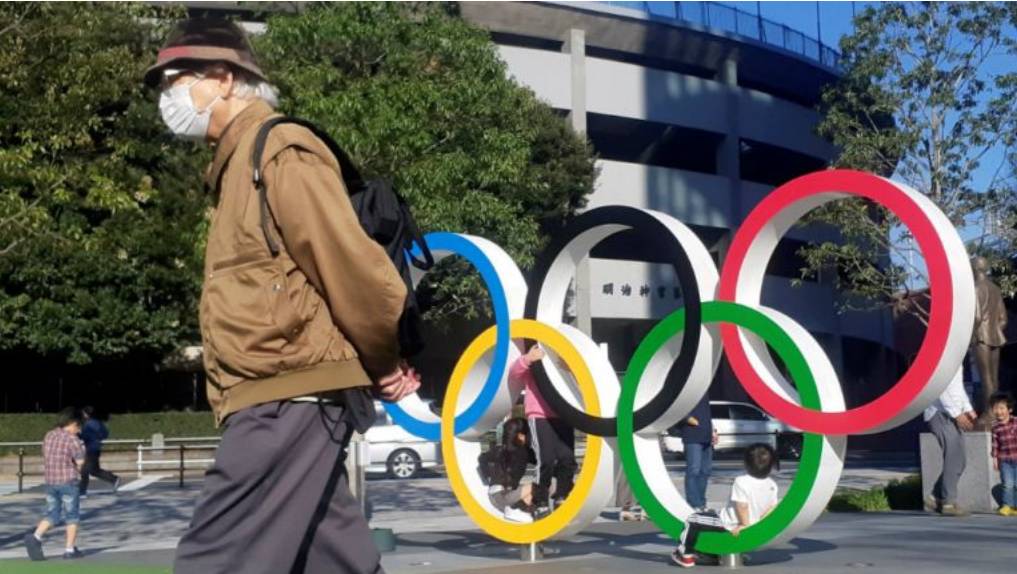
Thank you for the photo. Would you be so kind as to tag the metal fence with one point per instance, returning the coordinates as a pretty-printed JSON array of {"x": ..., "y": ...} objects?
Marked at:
[
  {"x": 731, "y": 19},
  {"x": 171, "y": 454},
  {"x": 156, "y": 453}
]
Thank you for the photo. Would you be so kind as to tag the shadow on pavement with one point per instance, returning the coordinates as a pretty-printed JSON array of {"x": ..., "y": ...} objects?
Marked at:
[{"x": 597, "y": 541}]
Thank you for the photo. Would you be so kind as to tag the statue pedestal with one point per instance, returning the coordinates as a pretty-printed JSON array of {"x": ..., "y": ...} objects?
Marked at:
[{"x": 978, "y": 490}]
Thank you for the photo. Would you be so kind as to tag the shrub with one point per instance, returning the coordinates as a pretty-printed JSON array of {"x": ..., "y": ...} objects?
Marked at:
[
  {"x": 905, "y": 494},
  {"x": 873, "y": 500}
]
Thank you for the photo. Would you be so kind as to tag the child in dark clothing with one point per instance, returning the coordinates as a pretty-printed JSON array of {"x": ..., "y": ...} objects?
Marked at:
[{"x": 504, "y": 466}]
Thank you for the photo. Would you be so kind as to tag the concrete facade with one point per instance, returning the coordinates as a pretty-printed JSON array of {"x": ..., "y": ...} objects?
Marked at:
[{"x": 638, "y": 70}]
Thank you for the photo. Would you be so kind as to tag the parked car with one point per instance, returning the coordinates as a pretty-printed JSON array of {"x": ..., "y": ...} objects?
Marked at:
[
  {"x": 739, "y": 425},
  {"x": 396, "y": 452}
]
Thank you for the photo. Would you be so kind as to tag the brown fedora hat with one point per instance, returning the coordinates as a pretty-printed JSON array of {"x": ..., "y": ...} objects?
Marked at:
[{"x": 204, "y": 40}]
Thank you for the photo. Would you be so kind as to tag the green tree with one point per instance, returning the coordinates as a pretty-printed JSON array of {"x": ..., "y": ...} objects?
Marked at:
[
  {"x": 929, "y": 93},
  {"x": 416, "y": 94},
  {"x": 101, "y": 214}
]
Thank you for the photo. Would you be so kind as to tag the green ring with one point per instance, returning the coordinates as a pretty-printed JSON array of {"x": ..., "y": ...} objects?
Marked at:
[{"x": 787, "y": 509}]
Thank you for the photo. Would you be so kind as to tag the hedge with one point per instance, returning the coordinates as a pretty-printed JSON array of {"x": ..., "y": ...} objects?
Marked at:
[
  {"x": 905, "y": 494},
  {"x": 32, "y": 427}
]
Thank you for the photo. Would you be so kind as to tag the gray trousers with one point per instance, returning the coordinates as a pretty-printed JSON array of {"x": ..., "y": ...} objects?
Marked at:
[
  {"x": 951, "y": 442},
  {"x": 277, "y": 500}
]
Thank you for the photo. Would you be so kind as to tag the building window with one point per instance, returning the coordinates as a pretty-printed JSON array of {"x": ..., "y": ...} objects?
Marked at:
[
  {"x": 653, "y": 143},
  {"x": 772, "y": 165}
]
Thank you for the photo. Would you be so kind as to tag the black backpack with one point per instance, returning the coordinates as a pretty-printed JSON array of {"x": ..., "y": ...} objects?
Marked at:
[
  {"x": 383, "y": 214},
  {"x": 489, "y": 465}
]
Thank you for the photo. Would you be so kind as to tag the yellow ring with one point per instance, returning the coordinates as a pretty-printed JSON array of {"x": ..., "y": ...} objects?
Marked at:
[{"x": 550, "y": 525}]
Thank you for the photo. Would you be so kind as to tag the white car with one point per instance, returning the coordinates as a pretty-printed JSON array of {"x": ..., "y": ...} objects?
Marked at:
[
  {"x": 396, "y": 452},
  {"x": 739, "y": 425}
]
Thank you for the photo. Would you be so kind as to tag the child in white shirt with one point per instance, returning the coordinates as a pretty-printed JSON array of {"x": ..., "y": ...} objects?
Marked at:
[{"x": 753, "y": 496}]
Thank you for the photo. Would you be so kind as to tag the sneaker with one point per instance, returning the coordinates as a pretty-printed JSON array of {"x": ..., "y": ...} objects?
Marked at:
[
  {"x": 82, "y": 496},
  {"x": 72, "y": 554},
  {"x": 930, "y": 504},
  {"x": 34, "y": 547},
  {"x": 953, "y": 510},
  {"x": 557, "y": 502},
  {"x": 116, "y": 485},
  {"x": 1007, "y": 511},
  {"x": 683, "y": 560},
  {"x": 516, "y": 515},
  {"x": 541, "y": 512}
]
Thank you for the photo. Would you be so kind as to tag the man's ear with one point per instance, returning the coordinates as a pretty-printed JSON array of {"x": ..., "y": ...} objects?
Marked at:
[
  {"x": 226, "y": 84},
  {"x": 224, "y": 78}
]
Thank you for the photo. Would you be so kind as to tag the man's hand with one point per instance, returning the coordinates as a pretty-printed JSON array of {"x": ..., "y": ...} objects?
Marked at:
[
  {"x": 399, "y": 383},
  {"x": 736, "y": 530},
  {"x": 995, "y": 463},
  {"x": 965, "y": 422},
  {"x": 716, "y": 438},
  {"x": 535, "y": 354}
]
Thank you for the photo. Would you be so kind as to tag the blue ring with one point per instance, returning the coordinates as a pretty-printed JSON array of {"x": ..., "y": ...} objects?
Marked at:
[{"x": 460, "y": 245}]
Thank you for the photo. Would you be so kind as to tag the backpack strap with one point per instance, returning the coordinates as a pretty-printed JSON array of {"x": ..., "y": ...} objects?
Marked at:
[
  {"x": 351, "y": 176},
  {"x": 350, "y": 173}
]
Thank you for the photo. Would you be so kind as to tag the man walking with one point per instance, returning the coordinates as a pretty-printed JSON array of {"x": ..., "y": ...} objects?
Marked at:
[
  {"x": 93, "y": 433},
  {"x": 948, "y": 418},
  {"x": 62, "y": 454},
  {"x": 294, "y": 338}
]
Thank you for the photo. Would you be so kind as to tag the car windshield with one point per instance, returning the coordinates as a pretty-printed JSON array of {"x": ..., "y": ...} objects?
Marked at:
[{"x": 745, "y": 412}]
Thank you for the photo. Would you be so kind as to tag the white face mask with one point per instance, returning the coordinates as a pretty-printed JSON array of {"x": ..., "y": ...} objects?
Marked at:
[{"x": 180, "y": 114}]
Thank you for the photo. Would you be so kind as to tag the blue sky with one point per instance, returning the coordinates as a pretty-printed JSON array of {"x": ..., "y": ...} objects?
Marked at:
[{"x": 834, "y": 21}]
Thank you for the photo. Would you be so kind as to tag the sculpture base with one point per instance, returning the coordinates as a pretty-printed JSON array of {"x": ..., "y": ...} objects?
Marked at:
[
  {"x": 532, "y": 552},
  {"x": 731, "y": 561},
  {"x": 978, "y": 490}
]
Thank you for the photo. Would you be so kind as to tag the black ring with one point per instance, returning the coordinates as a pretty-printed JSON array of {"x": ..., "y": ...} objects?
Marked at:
[{"x": 675, "y": 253}]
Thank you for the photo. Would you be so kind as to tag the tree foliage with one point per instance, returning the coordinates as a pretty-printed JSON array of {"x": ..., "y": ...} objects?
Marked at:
[
  {"x": 418, "y": 95},
  {"x": 101, "y": 214},
  {"x": 929, "y": 94}
]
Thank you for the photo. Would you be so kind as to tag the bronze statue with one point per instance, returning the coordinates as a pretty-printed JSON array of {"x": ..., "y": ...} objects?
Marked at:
[{"x": 987, "y": 338}]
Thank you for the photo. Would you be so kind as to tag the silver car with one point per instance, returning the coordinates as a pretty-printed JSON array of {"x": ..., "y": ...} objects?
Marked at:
[
  {"x": 396, "y": 452},
  {"x": 739, "y": 425}
]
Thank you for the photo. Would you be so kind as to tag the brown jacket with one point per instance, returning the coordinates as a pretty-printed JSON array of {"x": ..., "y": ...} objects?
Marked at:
[{"x": 320, "y": 316}]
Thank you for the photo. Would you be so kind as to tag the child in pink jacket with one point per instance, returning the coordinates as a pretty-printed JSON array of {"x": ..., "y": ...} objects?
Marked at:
[{"x": 553, "y": 439}]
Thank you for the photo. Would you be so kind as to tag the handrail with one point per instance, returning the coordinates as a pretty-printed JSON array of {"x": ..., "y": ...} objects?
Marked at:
[
  {"x": 180, "y": 444},
  {"x": 730, "y": 19}
]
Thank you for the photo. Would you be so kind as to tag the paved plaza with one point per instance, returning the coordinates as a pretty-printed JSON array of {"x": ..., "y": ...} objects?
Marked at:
[{"x": 137, "y": 530}]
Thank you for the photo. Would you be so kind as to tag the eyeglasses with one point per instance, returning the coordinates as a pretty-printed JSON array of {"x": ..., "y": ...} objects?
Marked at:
[{"x": 171, "y": 75}]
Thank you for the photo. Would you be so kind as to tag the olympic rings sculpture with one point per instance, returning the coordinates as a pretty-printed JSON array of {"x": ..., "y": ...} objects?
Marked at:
[{"x": 623, "y": 418}]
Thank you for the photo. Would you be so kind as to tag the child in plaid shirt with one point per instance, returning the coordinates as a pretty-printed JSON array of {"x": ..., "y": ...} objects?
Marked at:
[
  {"x": 1004, "y": 450},
  {"x": 63, "y": 454}
]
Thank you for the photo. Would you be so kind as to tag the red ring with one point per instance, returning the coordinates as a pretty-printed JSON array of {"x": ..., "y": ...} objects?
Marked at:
[{"x": 884, "y": 408}]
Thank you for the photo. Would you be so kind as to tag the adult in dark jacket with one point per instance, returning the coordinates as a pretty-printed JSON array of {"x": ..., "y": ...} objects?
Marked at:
[
  {"x": 698, "y": 439},
  {"x": 93, "y": 433}
]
